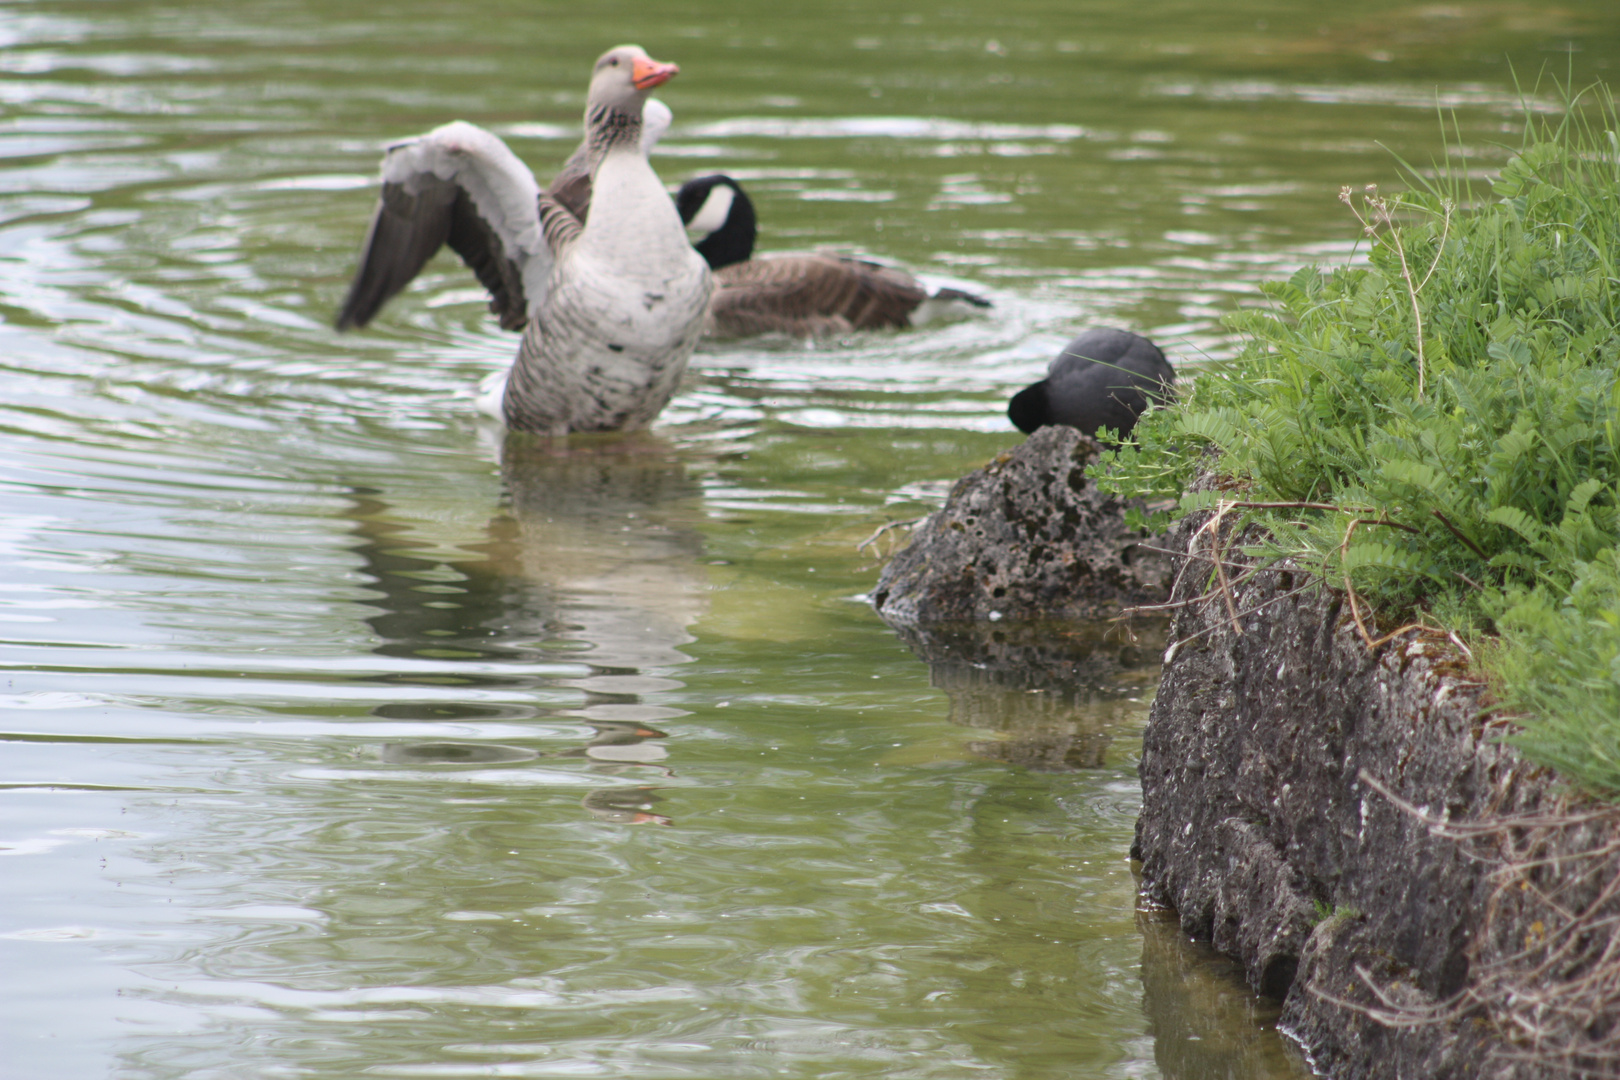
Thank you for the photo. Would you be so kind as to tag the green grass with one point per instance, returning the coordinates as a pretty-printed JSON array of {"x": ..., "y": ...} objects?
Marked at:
[{"x": 1456, "y": 403}]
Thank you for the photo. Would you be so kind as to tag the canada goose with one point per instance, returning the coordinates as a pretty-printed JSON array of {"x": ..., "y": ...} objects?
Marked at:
[
  {"x": 804, "y": 294},
  {"x": 611, "y": 303},
  {"x": 1103, "y": 379}
]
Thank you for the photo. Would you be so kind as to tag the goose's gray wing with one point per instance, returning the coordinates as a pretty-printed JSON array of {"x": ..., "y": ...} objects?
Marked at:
[
  {"x": 462, "y": 186},
  {"x": 572, "y": 186},
  {"x": 811, "y": 295}
]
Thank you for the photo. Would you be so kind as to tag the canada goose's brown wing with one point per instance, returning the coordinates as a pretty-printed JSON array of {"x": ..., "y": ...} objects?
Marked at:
[{"x": 811, "y": 295}]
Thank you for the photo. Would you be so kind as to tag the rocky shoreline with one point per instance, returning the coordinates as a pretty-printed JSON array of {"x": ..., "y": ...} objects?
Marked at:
[
  {"x": 1339, "y": 819},
  {"x": 1345, "y": 822}
]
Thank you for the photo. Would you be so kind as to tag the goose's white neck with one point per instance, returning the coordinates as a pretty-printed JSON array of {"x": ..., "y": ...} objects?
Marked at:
[{"x": 630, "y": 208}]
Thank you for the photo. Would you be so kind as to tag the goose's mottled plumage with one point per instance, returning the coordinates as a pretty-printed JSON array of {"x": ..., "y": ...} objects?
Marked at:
[
  {"x": 611, "y": 302},
  {"x": 809, "y": 294},
  {"x": 1102, "y": 380}
]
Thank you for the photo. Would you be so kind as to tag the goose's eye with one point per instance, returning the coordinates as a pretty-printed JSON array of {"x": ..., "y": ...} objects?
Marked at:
[{"x": 613, "y": 62}]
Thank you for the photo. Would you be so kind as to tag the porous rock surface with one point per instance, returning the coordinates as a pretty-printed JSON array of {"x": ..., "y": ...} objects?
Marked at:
[
  {"x": 1276, "y": 751},
  {"x": 1027, "y": 537}
]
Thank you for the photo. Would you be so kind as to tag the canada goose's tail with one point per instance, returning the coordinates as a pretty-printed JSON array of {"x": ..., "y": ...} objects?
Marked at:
[{"x": 959, "y": 296}]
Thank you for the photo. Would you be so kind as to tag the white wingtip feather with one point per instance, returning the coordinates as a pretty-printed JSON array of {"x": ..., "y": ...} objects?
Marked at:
[{"x": 655, "y": 121}]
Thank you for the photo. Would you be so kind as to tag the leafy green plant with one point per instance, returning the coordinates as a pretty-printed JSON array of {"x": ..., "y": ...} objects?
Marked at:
[{"x": 1438, "y": 431}]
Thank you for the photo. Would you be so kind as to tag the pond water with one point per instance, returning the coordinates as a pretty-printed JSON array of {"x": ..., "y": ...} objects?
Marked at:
[{"x": 343, "y": 739}]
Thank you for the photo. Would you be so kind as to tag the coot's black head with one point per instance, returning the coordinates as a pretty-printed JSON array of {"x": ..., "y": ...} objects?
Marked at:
[
  {"x": 720, "y": 215},
  {"x": 1028, "y": 409}
]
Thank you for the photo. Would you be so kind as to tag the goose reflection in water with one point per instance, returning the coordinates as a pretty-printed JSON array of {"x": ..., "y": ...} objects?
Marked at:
[
  {"x": 600, "y": 519},
  {"x": 625, "y": 806},
  {"x": 622, "y": 742},
  {"x": 592, "y": 563},
  {"x": 619, "y": 743},
  {"x": 598, "y": 524},
  {"x": 454, "y": 753}
]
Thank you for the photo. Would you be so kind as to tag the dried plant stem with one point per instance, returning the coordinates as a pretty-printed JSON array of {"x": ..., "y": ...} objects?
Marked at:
[
  {"x": 1383, "y": 213},
  {"x": 1555, "y": 998},
  {"x": 884, "y": 529}
]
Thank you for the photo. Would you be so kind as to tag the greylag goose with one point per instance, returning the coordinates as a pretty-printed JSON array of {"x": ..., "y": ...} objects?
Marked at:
[
  {"x": 1103, "y": 379},
  {"x": 810, "y": 294},
  {"x": 462, "y": 185},
  {"x": 611, "y": 303}
]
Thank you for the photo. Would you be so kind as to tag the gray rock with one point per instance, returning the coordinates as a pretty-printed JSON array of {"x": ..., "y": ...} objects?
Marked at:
[
  {"x": 1399, "y": 949},
  {"x": 1026, "y": 537}
]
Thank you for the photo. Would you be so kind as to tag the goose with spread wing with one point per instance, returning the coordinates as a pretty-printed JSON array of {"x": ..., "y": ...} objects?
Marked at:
[
  {"x": 611, "y": 302},
  {"x": 806, "y": 294}
]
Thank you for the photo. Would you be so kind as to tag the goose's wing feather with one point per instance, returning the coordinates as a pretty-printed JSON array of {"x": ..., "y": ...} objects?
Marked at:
[
  {"x": 462, "y": 186},
  {"x": 560, "y": 225},
  {"x": 572, "y": 187},
  {"x": 812, "y": 294}
]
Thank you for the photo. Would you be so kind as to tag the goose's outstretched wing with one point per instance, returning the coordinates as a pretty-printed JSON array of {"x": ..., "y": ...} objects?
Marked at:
[{"x": 460, "y": 185}]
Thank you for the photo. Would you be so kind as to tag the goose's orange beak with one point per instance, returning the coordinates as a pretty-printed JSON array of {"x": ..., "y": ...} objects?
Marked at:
[{"x": 648, "y": 73}]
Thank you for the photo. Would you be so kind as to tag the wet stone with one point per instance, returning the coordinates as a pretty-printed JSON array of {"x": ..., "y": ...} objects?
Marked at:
[
  {"x": 1027, "y": 537},
  {"x": 1293, "y": 783}
]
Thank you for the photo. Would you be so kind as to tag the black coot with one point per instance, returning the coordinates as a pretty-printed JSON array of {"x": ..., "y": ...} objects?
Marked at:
[{"x": 1103, "y": 379}]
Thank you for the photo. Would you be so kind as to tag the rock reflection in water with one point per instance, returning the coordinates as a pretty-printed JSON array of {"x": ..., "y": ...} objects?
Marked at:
[
  {"x": 1055, "y": 692},
  {"x": 453, "y": 753},
  {"x": 1206, "y": 1024}
]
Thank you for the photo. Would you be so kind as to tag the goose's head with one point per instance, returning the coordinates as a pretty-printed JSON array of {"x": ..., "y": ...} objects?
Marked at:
[
  {"x": 719, "y": 218},
  {"x": 620, "y": 83},
  {"x": 622, "y": 79}
]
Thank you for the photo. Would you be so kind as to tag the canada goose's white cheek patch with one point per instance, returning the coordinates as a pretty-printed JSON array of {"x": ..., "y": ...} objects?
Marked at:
[{"x": 712, "y": 214}]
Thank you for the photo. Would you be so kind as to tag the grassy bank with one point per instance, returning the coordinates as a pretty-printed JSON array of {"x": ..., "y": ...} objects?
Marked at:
[{"x": 1439, "y": 430}]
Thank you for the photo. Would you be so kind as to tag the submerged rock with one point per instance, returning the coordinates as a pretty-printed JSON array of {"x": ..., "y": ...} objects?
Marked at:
[{"x": 1027, "y": 537}]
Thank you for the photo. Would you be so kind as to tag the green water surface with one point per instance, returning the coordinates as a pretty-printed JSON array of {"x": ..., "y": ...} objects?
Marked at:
[{"x": 344, "y": 738}]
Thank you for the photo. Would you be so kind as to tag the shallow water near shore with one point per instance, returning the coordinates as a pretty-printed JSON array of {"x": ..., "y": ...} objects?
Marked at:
[{"x": 344, "y": 737}]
